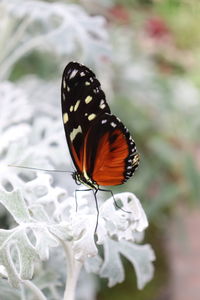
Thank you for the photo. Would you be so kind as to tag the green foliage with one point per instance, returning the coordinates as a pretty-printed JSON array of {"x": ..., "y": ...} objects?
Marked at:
[
  {"x": 183, "y": 18},
  {"x": 164, "y": 128},
  {"x": 193, "y": 178},
  {"x": 46, "y": 66}
]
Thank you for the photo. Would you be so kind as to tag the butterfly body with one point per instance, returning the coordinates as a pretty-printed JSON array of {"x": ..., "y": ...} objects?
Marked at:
[
  {"x": 101, "y": 147},
  {"x": 84, "y": 179}
]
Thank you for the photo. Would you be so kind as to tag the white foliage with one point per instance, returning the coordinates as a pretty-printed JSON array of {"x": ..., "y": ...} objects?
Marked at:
[
  {"x": 81, "y": 235},
  {"x": 62, "y": 29},
  {"x": 44, "y": 95},
  {"x": 141, "y": 257},
  {"x": 44, "y": 234},
  {"x": 116, "y": 229},
  {"x": 41, "y": 207},
  {"x": 13, "y": 120},
  {"x": 46, "y": 214},
  {"x": 44, "y": 219},
  {"x": 124, "y": 222},
  {"x": 12, "y": 99}
]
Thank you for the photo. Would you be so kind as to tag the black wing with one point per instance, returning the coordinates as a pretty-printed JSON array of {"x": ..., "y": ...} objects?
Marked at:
[{"x": 83, "y": 101}]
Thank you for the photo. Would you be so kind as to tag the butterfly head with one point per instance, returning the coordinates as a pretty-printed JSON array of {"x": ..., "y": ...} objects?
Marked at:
[{"x": 81, "y": 179}]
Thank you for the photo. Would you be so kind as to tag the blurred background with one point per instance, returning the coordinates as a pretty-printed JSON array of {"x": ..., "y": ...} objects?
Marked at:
[{"x": 146, "y": 54}]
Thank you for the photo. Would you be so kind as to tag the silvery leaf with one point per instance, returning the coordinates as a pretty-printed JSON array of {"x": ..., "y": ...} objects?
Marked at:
[{"x": 141, "y": 257}]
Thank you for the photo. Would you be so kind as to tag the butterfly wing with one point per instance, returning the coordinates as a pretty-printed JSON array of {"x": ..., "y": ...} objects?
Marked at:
[
  {"x": 83, "y": 101},
  {"x": 110, "y": 156},
  {"x": 100, "y": 145}
]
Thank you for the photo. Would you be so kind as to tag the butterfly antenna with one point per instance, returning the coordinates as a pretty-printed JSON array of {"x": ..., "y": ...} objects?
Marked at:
[
  {"x": 38, "y": 169},
  {"x": 97, "y": 207}
]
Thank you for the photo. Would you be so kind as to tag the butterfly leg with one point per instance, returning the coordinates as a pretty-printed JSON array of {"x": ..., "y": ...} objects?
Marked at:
[
  {"x": 87, "y": 190},
  {"x": 115, "y": 202},
  {"x": 96, "y": 203}
]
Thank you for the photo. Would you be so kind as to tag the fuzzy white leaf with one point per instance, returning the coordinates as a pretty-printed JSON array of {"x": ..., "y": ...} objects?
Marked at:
[
  {"x": 7, "y": 292},
  {"x": 3, "y": 272},
  {"x": 46, "y": 235},
  {"x": 84, "y": 244},
  {"x": 62, "y": 231},
  {"x": 26, "y": 255},
  {"x": 124, "y": 223},
  {"x": 39, "y": 213},
  {"x": 13, "y": 99},
  {"x": 6, "y": 261},
  {"x": 141, "y": 257},
  {"x": 13, "y": 134},
  {"x": 50, "y": 22},
  {"x": 112, "y": 267},
  {"x": 44, "y": 241},
  {"x": 15, "y": 204},
  {"x": 47, "y": 133},
  {"x": 93, "y": 264}
]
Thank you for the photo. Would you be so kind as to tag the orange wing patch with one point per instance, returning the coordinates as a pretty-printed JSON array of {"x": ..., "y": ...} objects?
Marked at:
[
  {"x": 110, "y": 159},
  {"x": 78, "y": 161}
]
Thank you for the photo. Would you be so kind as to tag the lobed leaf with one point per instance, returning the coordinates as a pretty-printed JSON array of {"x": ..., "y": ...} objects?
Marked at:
[
  {"x": 141, "y": 257},
  {"x": 31, "y": 239}
]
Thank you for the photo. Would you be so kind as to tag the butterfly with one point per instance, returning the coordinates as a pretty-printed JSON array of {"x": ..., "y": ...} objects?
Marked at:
[{"x": 101, "y": 147}]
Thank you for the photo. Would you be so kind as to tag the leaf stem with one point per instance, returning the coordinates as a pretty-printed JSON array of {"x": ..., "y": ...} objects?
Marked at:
[
  {"x": 36, "y": 291},
  {"x": 73, "y": 271}
]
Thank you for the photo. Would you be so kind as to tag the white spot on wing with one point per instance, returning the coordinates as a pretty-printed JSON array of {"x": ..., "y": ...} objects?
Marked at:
[
  {"x": 87, "y": 83},
  {"x": 71, "y": 108},
  {"x": 64, "y": 83},
  {"x": 73, "y": 74},
  {"x": 88, "y": 99},
  {"x": 102, "y": 104},
  {"x": 113, "y": 124},
  {"x": 77, "y": 105},
  {"x": 91, "y": 117},
  {"x": 74, "y": 132},
  {"x": 82, "y": 74},
  {"x": 65, "y": 118},
  {"x": 103, "y": 121},
  {"x": 63, "y": 96}
]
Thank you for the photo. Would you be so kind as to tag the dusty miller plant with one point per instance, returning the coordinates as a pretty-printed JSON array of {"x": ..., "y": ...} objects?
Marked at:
[{"x": 48, "y": 243}]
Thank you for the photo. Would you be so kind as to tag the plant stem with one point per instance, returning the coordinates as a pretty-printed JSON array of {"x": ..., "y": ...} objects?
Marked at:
[
  {"x": 36, "y": 291},
  {"x": 73, "y": 271}
]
